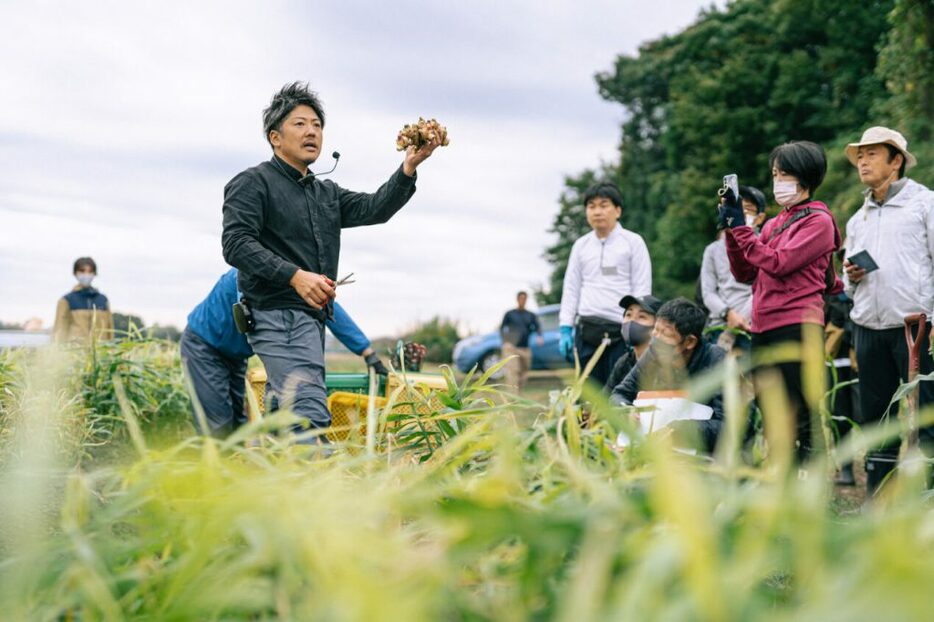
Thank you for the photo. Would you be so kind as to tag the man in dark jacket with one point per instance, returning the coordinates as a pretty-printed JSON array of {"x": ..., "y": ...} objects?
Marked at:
[
  {"x": 282, "y": 231},
  {"x": 517, "y": 326},
  {"x": 678, "y": 352}
]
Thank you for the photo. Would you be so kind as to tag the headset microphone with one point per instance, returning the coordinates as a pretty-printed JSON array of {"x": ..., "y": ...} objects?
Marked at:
[{"x": 310, "y": 177}]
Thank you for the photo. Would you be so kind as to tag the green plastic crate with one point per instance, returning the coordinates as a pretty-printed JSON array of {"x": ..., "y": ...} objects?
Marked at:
[{"x": 353, "y": 383}]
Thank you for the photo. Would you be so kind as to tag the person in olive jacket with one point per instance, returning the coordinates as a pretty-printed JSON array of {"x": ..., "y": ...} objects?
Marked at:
[
  {"x": 282, "y": 230},
  {"x": 83, "y": 314}
]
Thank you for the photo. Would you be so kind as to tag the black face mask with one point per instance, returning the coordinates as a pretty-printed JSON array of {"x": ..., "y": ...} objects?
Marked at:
[{"x": 635, "y": 334}]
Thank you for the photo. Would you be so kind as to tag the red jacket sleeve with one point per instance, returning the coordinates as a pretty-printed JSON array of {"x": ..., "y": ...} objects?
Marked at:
[{"x": 742, "y": 270}]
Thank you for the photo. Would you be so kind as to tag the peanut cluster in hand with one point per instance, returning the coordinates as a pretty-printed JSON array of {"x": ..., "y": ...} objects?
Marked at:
[{"x": 421, "y": 133}]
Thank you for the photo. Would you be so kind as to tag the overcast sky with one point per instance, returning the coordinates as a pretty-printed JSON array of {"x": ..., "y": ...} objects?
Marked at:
[{"x": 120, "y": 123}]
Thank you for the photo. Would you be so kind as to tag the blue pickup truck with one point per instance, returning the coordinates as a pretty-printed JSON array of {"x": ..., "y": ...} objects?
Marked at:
[{"x": 484, "y": 350}]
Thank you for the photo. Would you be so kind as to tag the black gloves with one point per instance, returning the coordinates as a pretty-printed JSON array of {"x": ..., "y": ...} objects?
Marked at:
[
  {"x": 372, "y": 360},
  {"x": 730, "y": 212}
]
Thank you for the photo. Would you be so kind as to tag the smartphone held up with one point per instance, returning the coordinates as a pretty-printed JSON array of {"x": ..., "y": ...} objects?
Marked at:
[
  {"x": 729, "y": 207},
  {"x": 730, "y": 182}
]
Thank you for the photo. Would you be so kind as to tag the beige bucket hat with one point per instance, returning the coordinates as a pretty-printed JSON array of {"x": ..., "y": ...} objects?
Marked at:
[{"x": 881, "y": 136}]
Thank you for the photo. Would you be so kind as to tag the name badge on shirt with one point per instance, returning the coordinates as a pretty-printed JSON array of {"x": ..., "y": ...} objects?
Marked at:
[{"x": 608, "y": 270}]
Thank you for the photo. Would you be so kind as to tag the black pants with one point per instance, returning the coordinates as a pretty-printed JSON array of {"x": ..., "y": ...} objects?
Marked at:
[
  {"x": 791, "y": 377},
  {"x": 218, "y": 382},
  {"x": 845, "y": 402},
  {"x": 603, "y": 368},
  {"x": 882, "y": 357}
]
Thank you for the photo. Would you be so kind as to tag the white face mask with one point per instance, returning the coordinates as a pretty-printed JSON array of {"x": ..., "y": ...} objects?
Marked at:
[
  {"x": 750, "y": 220},
  {"x": 785, "y": 192},
  {"x": 84, "y": 279}
]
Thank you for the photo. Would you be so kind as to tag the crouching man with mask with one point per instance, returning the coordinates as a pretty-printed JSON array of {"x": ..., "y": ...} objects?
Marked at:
[
  {"x": 676, "y": 354},
  {"x": 638, "y": 323}
]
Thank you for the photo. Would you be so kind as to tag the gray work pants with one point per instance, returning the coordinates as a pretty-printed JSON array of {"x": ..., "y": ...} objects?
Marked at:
[
  {"x": 218, "y": 383},
  {"x": 291, "y": 345}
]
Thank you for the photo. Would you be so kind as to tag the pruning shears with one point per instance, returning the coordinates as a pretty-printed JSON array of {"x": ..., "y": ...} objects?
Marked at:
[{"x": 345, "y": 281}]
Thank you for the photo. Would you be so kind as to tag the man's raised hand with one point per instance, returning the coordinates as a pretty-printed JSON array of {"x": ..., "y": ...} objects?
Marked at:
[{"x": 414, "y": 157}]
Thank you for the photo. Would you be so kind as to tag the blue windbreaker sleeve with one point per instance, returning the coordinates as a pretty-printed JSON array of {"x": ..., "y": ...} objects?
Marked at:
[{"x": 346, "y": 330}]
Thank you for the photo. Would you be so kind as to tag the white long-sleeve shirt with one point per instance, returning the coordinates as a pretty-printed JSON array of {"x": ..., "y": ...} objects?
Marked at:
[
  {"x": 900, "y": 237},
  {"x": 601, "y": 272}
]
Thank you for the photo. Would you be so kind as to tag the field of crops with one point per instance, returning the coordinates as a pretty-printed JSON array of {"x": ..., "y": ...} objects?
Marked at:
[{"x": 493, "y": 507}]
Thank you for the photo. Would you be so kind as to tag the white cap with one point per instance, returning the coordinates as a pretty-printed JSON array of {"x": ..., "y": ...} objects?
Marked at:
[{"x": 881, "y": 136}]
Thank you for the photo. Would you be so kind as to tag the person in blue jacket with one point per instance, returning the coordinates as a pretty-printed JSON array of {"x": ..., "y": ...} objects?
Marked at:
[{"x": 215, "y": 354}]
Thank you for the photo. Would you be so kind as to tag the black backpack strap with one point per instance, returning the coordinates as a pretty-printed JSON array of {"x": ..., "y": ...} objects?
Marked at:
[{"x": 797, "y": 216}]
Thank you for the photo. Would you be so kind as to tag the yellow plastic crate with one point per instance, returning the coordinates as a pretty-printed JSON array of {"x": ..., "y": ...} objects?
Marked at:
[
  {"x": 425, "y": 382},
  {"x": 349, "y": 383},
  {"x": 421, "y": 385},
  {"x": 256, "y": 382},
  {"x": 348, "y": 410}
]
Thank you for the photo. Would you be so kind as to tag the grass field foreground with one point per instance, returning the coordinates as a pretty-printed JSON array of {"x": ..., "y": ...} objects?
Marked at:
[{"x": 503, "y": 508}]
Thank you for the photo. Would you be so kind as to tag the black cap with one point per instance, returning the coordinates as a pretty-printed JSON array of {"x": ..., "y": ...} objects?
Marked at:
[
  {"x": 650, "y": 303},
  {"x": 755, "y": 195}
]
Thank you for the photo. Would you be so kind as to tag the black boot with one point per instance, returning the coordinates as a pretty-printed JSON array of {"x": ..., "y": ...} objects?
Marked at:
[
  {"x": 878, "y": 467},
  {"x": 845, "y": 476}
]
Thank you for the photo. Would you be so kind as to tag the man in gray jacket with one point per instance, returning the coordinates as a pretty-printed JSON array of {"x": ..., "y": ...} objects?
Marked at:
[
  {"x": 895, "y": 226},
  {"x": 282, "y": 230}
]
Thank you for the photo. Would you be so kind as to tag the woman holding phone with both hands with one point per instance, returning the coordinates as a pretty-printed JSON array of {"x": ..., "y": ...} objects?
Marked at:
[{"x": 790, "y": 267}]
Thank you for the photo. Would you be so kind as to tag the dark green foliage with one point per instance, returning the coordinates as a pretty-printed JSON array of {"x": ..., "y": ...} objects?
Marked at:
[
  {"x": 717, "y": 97},
  {"x": 906, "y": 63},
  {"x": 126, "y": 324},
  {"x": 438, "y": 335},
  {"x": 167, "y": 333}
]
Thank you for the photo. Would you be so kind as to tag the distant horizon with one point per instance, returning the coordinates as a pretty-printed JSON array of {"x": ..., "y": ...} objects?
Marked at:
[{"x": 8, "y": 326}]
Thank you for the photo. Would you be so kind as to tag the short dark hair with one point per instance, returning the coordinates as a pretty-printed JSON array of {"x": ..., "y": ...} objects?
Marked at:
[
  {"x": 687, "y": 317},
  {"x": 803, "y": 159},
  {"x": 522, "y": 293},
  {"x": 754, "y": 195},
  {"x": 84, "y": 262},
  {"x": 893, "y": 151},
  {"x": 604, "y": 190},
  {"x": 285, "y": 101}
]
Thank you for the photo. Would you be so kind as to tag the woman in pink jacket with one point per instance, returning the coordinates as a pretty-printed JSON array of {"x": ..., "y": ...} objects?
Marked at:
[{"x": 789, "y": 266}]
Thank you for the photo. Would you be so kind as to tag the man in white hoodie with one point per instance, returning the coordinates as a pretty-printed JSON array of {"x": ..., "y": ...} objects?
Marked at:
[
  {"x": 605, "y": 264},
  {"x": 895, "y": 226}
]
